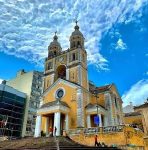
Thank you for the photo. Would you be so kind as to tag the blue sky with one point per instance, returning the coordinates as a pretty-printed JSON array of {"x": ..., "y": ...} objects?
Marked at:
[{"x": 116, "y": 39}]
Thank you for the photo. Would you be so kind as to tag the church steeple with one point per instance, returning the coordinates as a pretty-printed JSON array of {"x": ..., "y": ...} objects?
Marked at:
[
  {"x": 76, "y": 38},
  {"x": 54, "y": 47},
  {"x": 70, "y": 64}
]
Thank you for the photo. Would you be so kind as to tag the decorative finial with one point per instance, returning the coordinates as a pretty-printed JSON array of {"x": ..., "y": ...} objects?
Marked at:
[
  {"x": 76, "y": 22},
  {"x": 55, "y": 36},
  {"x": 76, "y": 27},
  {"x": 55, "y": 33}
]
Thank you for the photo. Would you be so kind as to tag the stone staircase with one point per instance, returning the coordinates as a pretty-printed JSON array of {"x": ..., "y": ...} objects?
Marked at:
[
  {"x": 68, "y": 144},
  {"x": 52, "y": 143}
]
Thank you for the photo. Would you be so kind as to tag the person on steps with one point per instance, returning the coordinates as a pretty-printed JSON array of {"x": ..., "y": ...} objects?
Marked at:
[
  {"x": 96, "y": 140},
  {"x": 55, "y": 130}
]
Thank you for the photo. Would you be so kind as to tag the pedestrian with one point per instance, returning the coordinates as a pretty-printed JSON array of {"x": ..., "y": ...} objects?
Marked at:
[
  {"x": 96, "y": 140},
  {"x": 55, "y": 130},
  {"x": 50, "y": 131}
]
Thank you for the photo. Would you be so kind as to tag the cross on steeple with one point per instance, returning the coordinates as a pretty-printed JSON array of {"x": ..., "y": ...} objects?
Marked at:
[
  {"x": 55, "y": 36},
  {"x": 76, "y": 27},
  {"x": 76, "y": 22}
]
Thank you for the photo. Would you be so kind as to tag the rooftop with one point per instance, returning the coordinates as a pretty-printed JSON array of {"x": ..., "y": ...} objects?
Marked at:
[
  {"x": 4, "y": 87},
  {"x": 132, "y": 114},
  {"x": 145, "y": 105}
]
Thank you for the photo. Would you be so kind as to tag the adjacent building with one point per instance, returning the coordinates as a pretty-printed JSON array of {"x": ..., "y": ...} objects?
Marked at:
[
  {"x": 136, "y": 116},
  {"x": 31, "y": 84},
  {"x": 132, "y": 118},
  {"x": 12, "y": 108},
  {"x": 138, "y": 119},
  {"x": 128, "y": 108},
  {"x": 69, "y": 100},
  {"x": 143, "y": 110}
]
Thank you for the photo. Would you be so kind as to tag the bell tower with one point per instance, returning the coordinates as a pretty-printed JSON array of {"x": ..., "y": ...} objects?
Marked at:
[
  {"x": 77, "y": 65},
  {"x": 70, "y": 65},
  {"x": 76, "y": 39},
  {"x": 54, "y": 48}
]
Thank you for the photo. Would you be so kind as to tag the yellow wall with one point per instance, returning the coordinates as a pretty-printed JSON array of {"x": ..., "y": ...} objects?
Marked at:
[
  {"x": 127, "y": 136},
  {"x": 84, "y": 78},
  {"x": 73, "y": 74},
  {"x": 69, "y": 98},
  {"x": 144, "y": 112},
  {"x": 133, "y": 119},
  {"x": 145, "y": 119},
  {"x": 48, "y": 82},
  {"x": 146, "y": 142}
]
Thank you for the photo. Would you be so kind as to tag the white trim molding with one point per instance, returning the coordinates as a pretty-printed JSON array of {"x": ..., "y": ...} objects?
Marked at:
[
  {"x": 94, "y": 109},
  {"x": 53, "y": 109}
]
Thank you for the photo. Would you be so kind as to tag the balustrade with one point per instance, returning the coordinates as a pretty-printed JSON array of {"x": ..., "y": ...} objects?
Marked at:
[{"x": 95, "y": 130}]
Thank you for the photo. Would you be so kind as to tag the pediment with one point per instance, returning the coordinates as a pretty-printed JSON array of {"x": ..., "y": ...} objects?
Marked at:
[{"x": 57, "y": 83}]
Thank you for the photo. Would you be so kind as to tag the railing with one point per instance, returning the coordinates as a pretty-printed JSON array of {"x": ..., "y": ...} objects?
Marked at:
[
  {"x": 95, "y": 130},
  {"x": 92, "y": 130},
  {"x": 113, "y": 128}
]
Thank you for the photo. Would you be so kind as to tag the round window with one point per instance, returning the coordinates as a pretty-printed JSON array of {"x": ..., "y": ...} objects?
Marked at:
[{"x": 60, "y": 93}]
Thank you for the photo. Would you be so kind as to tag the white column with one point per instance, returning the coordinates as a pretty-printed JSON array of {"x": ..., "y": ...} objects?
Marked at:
[
  {"x": 106, "y": 121},
  {"x": 100, "y": 119},
  {"x": 80, "y": 109},
  {"x": 67, "y": 74},
  {"x": 38, "y": 126},
  {"x": 47, "y": 126},
  {"x": 52, "y": 78},
  {"x": 67, "y": 58},
  {"x": 57, "y": 123},
  {"x": 88, "y": 121},
  {"x": 67, "y": 122}
]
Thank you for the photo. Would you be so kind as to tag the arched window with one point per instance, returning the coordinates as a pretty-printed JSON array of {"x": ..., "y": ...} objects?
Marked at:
[
  {"x": 83, "y": 58},
  {"x": 73, "y": 56},
  {"x": 116, "y": 104},
  {"x": 78, "y": 44},
  {"x": 74, "y": 44},
  {"x": 55, "y": 52},
  {"x": 61, "y": 72},
  {"x": 49, "y": 65}
]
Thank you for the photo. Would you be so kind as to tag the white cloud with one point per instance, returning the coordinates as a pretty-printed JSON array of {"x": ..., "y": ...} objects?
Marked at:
[
  {"x": 137, "y": 94},
  {"x": 1, "y": 81},
  {"x": 120, "y": 45},
  {"x": 27, "y": 26},
  {"x": 146, "y": 73}
]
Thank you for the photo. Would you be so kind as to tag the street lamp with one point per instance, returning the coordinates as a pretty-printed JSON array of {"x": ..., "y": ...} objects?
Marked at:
[{"x": 96, "y": 95}]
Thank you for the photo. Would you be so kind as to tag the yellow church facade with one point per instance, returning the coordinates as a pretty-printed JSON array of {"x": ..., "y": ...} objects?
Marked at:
[{"x": 69, "y": 100}]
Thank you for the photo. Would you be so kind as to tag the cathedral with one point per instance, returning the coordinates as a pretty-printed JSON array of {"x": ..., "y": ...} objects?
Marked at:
[{"x": 69, "y": 100}]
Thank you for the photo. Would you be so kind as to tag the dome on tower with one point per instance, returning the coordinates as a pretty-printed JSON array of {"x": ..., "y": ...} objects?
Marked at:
[
  {"x": 55, "y": 42},
  {"x": 54, "y": 47},
  {"x": 77, "y": 31}
]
